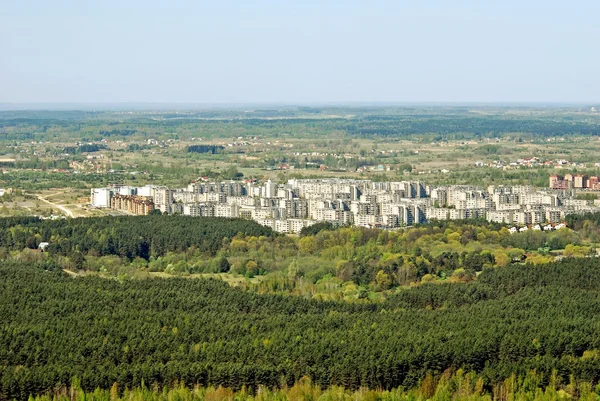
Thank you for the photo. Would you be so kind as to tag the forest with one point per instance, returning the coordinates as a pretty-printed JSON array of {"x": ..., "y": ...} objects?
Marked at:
[
  {"x": 323, "y": 262},
  {"x": 452, "y": 122},
  {"x": 450, "y": 386},
  {"x": 536, "y": 324},
  {"x": 126, "y": 236}
]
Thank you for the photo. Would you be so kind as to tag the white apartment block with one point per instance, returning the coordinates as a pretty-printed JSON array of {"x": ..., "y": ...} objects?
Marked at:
[
  {"x": 100, "y": 197},
  {"x": 500, "y": 216},
  {"x": 298, "y": 203}
]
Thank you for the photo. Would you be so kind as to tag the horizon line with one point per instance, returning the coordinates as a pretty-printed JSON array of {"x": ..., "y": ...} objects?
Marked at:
[{"x": 157, "y": 106}]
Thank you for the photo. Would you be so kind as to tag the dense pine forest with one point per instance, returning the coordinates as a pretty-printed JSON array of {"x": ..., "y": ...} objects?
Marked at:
[
  {"x": 126, "y": 236},
  {"x": 514, "y": 320}
]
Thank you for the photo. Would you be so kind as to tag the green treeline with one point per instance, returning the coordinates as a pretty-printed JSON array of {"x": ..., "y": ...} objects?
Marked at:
[
  {"x": 87, "y": 147},
  {"x": 205, "y": 149},
  {"x": 511, "y": 321},
  {"x": 457, "y": 386},
  {"x": 396, "y": 123},
  {"x": 127, "y": 236},
  {"x": 36, "y": 163},
  {"x": 318, "y": 263},
  {"x": 117, "y": 132},
  {"x": 479, "y": 126}
]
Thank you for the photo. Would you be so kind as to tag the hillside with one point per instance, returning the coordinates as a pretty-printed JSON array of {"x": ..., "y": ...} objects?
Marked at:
[{"x": 510, "y": 321}]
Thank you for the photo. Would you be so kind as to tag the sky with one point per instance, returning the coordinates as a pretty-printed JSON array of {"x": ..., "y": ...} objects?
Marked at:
[{"x": 302, "y": 52}]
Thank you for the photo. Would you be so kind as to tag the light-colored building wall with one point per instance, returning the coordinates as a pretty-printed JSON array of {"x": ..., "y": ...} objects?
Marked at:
[{"x": 100, "y": 197}]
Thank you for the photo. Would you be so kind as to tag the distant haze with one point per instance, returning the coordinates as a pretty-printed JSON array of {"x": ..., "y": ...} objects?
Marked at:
[{"x": 273, "y": 52}]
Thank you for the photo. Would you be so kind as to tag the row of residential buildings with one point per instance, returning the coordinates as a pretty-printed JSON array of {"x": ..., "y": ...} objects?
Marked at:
[
  {"x": 298, "y": 203},
  {"x": 578, "y": 181}
]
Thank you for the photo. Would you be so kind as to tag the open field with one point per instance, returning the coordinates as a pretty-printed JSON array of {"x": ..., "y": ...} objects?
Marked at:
[{"x": 56, "y": 202}]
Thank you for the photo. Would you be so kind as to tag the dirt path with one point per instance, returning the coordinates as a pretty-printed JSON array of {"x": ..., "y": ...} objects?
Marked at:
[{"x": 56, "y": 205}]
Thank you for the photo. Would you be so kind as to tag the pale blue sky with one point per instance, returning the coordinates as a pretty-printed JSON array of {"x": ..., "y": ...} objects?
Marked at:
[{"x": 299, "y": 51}]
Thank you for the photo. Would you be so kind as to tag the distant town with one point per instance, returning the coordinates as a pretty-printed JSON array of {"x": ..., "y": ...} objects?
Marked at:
[{"x": 288, "y": 208}]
